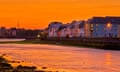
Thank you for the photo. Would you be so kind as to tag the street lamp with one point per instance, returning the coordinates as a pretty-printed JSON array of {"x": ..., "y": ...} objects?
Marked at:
[{"x": 109, "y": 25}]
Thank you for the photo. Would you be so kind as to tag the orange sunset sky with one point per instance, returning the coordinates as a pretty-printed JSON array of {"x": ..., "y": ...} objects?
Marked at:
[{"x": 36, "y": 14}]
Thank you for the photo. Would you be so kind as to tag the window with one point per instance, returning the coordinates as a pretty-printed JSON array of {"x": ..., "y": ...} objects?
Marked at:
[
  {"x": 104, "y": 29},
  {"x": 96, "y": 29},
  {"x": 96, "y": 25},
  {"x": 92, "y": 29},
  {"x": 91, "y": 25}
]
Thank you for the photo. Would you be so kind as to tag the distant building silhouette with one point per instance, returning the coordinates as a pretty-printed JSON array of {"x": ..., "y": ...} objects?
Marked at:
[{"x": 18, "y": 33}]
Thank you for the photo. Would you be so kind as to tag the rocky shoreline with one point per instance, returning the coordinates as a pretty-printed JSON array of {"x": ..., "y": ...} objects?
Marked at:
[{"x": 6, "y": 66}]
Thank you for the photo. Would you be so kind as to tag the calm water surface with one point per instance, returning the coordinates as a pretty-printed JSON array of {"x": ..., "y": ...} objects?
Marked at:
[{"x": 72, "y": 59}]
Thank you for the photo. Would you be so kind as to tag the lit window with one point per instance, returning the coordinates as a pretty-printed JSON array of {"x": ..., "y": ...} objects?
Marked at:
[
  {"x": 96, "y": 25},
  {"x": 92, "y": 25}
]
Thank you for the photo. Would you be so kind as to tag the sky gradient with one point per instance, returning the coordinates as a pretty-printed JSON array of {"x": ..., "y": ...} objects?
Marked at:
[{"x": 37, "y": 14}]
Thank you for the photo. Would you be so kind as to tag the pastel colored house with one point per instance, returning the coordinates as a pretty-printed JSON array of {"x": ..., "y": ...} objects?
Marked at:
[
  {"x": 104, "y": 27},
  {"x": 69, "y": 30},
  {"x": 78, "y": 29},
  {"x": 53, "y": 29},
  {"x": 95, "y": 27},
  {"x": 62, "y": 31},
  {"x": 73, "y": 29},
  {"x": 87, "y": 32}
]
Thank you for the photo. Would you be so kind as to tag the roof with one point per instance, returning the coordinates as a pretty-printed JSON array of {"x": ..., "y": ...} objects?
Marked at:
[
  {"x": 81, "y": 25},
  {"x": 98, "y": 20},
  {"x": 104, "y": 20},
  {"x": 115, "y": 20},
  {"x": 62, "y": 27}
]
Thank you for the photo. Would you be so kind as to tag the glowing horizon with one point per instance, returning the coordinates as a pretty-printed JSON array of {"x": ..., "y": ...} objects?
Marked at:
[{"x": 36, "y": 14}]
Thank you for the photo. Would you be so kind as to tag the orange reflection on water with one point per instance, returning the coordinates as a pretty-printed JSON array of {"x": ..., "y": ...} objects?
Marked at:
[
  {"x": 64, "y": 58},
  {"x": 108, "y": 57}
]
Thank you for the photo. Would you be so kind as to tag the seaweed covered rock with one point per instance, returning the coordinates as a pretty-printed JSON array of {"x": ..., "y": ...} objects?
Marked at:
[{"x": 21, "y": 68}]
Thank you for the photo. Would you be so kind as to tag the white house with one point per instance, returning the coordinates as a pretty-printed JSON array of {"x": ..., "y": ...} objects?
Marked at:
[
  {"x": 73, "y": 29},
  {"x": 62, "y": 31},
  {"x": 69, "y": 30},
  {"x": 78, "y": 29},
  {"x": 53, "y": 29}
]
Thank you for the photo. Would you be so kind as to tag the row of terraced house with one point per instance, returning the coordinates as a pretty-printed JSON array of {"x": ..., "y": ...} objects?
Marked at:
[{"x": 93, "y": 27}]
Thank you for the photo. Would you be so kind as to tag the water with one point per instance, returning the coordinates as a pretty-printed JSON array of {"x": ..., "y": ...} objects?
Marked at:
[
  {"x": 71, "y": 59},
  {"x": 11, "y": 40}
]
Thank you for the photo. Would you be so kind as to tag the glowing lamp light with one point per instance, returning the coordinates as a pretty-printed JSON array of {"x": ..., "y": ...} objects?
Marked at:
[{"x": 109, "y": 25}]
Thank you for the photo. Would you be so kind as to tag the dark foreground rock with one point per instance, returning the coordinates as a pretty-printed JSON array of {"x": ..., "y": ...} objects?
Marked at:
[{"x": 5, "y": 66}]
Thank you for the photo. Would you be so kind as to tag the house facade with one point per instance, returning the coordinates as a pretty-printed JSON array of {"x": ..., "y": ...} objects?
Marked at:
[
  {"x": 95, "y": 27},
  {"x": 62, "y": 31},
  {"x": 53, "y": 29},
  {"x": 3, "y": 32},
  {"x": 104, "y": 27},
  {"x": 73, "y": 29},
  {"x": 87, "y": 32},
  {"x": 78, "y": 29}
]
